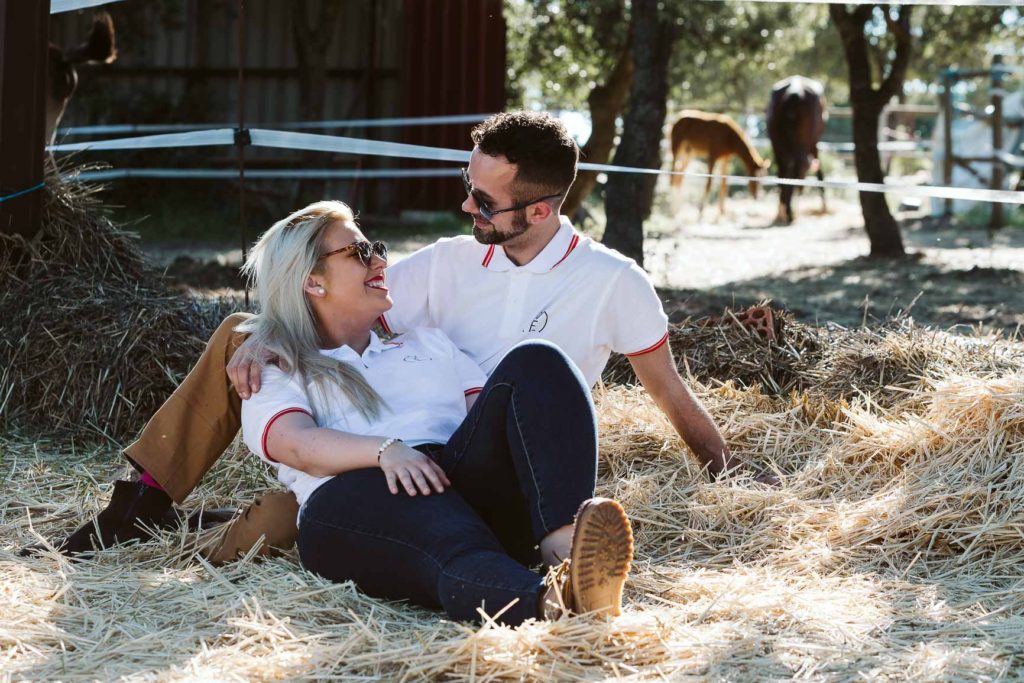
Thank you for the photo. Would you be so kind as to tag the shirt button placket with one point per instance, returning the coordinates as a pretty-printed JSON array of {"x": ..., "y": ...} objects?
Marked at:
[{"x": 515, "y": 301}]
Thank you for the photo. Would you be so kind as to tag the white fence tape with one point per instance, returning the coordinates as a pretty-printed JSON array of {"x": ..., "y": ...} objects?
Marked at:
[
  {"x": 121, "y": 128},
  {"x": 201, "y": 138},
  {"x": 58, "y": 6},
  {"x": 901, "y": 146},
  {"x": 232, "y": 174},
  {"x": 343, "y": 145}
]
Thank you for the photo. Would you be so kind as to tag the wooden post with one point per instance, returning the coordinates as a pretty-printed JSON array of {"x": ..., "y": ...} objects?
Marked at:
[
  {"x": 947, "y": 136},
  {"x": 242, "y": 136},
  {"x": 996, "y": 217},
  {"x": 24, "y": 38}
]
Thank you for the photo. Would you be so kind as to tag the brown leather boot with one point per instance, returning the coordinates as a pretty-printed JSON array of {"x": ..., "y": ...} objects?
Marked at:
[
  {"x": 591, "y": 580},
  {"x": 132, "y": 508}
]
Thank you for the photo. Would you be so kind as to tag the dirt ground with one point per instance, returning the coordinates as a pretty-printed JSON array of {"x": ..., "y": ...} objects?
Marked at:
[{"x": 955, "y": 274}]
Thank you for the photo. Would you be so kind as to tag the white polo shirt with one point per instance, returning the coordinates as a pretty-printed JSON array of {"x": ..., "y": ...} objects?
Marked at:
[
  {"x": 422, "y": 376},
  {"x": 578, "y": 294}
]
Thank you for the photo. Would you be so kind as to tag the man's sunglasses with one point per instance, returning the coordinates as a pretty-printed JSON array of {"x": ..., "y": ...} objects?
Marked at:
[
  {"x": 363, "y": 249},
  {"x": 485, "y": 211}
]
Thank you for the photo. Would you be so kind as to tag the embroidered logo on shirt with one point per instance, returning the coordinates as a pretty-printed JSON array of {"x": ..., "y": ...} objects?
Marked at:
[
  {"x": 539, "y": 323},
  {"x": 416, "y": 359}
]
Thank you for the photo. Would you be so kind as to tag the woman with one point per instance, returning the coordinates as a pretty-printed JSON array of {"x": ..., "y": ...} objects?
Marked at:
[{"x": 417, "y": 476}]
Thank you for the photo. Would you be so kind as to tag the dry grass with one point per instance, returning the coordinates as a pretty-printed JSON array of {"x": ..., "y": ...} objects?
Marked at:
[
  {"x": 91, "y": 341},
  {"x": 894, "y": 549}
]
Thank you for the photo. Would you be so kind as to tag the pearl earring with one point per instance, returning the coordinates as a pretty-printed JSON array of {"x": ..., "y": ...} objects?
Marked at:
[{"x": 321, "y": 291}]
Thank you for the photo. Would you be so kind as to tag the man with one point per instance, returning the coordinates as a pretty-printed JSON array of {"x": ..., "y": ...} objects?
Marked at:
[{"x": 525, "y": 274}]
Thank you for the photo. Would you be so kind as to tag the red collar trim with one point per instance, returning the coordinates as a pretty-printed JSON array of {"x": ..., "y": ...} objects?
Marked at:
[
  {"x": 488, "y": 256},
  {"x": 572, "y": 245}
]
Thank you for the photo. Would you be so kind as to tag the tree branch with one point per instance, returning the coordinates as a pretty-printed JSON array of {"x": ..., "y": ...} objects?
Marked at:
[{"x": 900, "y": 28}]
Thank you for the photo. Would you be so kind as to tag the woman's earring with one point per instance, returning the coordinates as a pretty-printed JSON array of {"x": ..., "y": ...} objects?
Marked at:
[{"x": 321, "y": 291}]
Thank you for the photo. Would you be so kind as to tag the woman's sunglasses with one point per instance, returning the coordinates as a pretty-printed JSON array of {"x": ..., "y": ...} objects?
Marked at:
[
  {"x": 485, "y": 211},
  {"x": 363, "y": 249}
]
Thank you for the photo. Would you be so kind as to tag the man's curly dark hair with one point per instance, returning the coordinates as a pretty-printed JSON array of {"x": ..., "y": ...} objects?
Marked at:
[{"x": 538, "y": 144}]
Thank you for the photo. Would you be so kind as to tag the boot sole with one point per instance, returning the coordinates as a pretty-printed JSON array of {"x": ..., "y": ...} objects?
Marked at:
[{"x": 602, "y": 552}]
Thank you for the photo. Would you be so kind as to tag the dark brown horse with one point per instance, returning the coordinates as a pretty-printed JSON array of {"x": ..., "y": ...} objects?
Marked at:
[
  {"x": 796, "y": 120},
  {"x": 62, "y": 74}
]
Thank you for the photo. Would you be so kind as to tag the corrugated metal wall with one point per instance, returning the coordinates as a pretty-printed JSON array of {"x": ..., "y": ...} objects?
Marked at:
[
  {"x": 455, "y": 63},
  {"x": 178, "y": 63},
  {"x": 169, "y": 46}
]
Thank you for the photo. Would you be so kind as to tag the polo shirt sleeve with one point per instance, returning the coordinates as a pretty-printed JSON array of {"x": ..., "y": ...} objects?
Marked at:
[
  {"x": 636, "y": 320},
  {"x": 470, "y": 374},
  {"x": 279, "y": 395},
  {"x": 409, "y": 284}
]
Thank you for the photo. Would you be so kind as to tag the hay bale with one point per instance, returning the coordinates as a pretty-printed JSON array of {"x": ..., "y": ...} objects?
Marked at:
[
  {"x": 829, "y": 363},
  {"x": 92, "y": 341},
  {"x": 731, "y": 351}
]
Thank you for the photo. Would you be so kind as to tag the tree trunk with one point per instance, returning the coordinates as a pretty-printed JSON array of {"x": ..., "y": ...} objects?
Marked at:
[
  {"x": 883, "y": 231},
  {"x": 312, "y": 43},
  {"x": 605, "y": 103},
  {"x": 628, "y": 196},
  {"x": 867, "y": 104}
]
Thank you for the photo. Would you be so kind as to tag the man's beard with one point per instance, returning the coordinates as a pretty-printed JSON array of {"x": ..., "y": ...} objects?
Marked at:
[{"x": 495, "y": 236}]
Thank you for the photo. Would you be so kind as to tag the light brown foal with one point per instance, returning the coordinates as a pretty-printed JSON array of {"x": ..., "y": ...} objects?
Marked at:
[{"x": 716, "y": 138}]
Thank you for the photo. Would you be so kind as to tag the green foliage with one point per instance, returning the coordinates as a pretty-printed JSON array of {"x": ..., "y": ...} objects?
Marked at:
[
  {"x": 559, "y": 50},
  {"x": 728, "y": 54}
]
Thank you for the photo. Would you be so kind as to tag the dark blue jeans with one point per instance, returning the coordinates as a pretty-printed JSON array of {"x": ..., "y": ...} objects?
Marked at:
[{"x": 521, "y": 463}]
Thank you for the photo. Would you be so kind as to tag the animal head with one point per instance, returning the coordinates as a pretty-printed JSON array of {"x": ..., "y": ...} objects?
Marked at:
[
  {"x": 99, "y": 48},
  {"x": 759, "y": 171}
]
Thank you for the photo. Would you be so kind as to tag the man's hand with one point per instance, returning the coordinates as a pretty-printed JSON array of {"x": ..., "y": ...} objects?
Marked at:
[
  {"x": 245, "y": 367},
  {"x": 657, "y": 373},
  {"x": 413, "y": 469},
  {"x": 738, "y": 470}
]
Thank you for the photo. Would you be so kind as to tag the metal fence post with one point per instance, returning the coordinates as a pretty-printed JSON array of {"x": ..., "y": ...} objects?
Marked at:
[
  {"x": 996, "y": 217},
  {"x": 947, "y": 136}
]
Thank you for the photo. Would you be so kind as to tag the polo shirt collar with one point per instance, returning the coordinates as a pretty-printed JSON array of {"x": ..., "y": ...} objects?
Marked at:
[
  {"x": 375, "y": 345},
  {"x": 556, "y": 251},
  {"x": 346, "y": 352}
]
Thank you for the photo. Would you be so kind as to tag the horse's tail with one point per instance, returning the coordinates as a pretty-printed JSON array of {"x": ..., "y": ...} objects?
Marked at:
[{"x": 675, "y": 141}]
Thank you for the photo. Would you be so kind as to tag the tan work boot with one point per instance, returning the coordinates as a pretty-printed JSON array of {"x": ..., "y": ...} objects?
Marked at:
[
  {"x": 591, "y": 580},
  {"x": 268, "y": 522}
]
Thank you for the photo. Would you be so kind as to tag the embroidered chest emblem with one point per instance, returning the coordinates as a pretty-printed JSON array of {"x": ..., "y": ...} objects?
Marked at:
[{"x": 539, "y": 323}]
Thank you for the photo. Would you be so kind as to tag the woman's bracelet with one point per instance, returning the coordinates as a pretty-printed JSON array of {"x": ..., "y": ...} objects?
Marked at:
[{"x": 386, "y": 444}]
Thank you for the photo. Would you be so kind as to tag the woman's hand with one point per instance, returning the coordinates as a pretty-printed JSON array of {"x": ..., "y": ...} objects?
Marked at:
[{"x": 413, "y": 469}]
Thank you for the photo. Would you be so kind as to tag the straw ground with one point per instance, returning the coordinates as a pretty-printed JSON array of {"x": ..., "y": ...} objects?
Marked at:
[{"x": 893, "y": 550}]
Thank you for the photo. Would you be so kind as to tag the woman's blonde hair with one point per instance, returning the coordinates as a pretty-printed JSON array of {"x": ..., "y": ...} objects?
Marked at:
[{"x": 285, "y": 325}]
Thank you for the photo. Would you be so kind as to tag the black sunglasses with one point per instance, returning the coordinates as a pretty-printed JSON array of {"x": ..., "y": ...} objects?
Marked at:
[
  {"x": 363, "y": 249},
  {"x": 485, "y": 211}
]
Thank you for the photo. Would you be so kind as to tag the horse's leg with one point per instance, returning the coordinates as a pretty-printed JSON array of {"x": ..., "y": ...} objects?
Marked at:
[
  {"x": 679, "y": 161},
  {"x": 785, "y": 194},
  {"x": 821, "y": 178},
  {"x": 707, "y": 186},
  {"x": 722, "y": 189},
  {"x": 679, "y": 164}
]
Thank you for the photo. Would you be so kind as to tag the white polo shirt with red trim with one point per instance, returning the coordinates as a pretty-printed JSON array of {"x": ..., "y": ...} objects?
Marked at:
[
  {"x": 578, "y": 294},
  {"x": 422, "y": 376}
]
